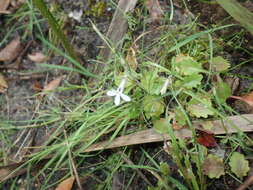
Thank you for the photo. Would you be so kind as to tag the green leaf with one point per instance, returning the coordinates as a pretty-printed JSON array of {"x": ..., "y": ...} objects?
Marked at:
[
  {"x": 151, "y": 82},
  {"x": 153, "y": 106},
  {"x": 134, "y": 111},
  {"x": 239, "y": 165},
  {"x": 186, "y": 65},
  {"x": 191, "y": 81},
  {"x": 200, "y": 107},
  {"x": 180, "y": 116},
  {"x": 219, "y": 64},
  {"x": 164, "y": 168},
  {"x": 118, "y": 78},
  {"x": 223, "y": 91},
  {"x": 213, "y": 166},
  {"x": 161, "y": 125}
]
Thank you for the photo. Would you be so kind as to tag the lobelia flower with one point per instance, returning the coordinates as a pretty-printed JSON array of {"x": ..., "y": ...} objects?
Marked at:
[
  {"x": 119, "y": 93},
  {"x": 165, "y": 85}
]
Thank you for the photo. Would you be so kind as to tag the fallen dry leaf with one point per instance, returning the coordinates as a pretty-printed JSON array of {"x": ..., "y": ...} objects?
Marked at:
[
  {"x": 176, "y": 126},
  {"x": 4, "y": 4},
  {"x": 36, "y": 86},
  {"x": 52, "y": 85},
  {"x": 3, "y": 84},
  {"x": 66, "y": 184},
  {"x": 213, "y": 166},
  {"x": 248, "y": 98},
  {"x": 206, "y": 139},
  {"x": 11, "y": 51},
  {"x": 233, "y": 83},
  {"x": 155, "y": 10},
  {"x": 37, "y": 57},
  {"x": 131, "y": 58}
]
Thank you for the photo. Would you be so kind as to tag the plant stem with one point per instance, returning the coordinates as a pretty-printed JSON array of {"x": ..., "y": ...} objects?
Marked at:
[{"x": 41, "y": 5}]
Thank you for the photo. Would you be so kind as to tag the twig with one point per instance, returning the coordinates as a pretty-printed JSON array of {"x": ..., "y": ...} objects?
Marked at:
[
  {"x": 116, "y": 31},
  {"x": 232, "y": 124},
  {"x": 247, "y": 183}
]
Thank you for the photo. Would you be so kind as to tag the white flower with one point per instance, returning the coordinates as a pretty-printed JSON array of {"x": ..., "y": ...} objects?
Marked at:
[
  {"x": 165, "y": 85},
  {"x": 76, "y": 15},
  {"x": 119, "y": 93}
]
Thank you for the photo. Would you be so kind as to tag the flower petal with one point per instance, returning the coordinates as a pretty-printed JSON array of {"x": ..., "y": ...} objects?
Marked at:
[
  {"x": 112, "y": 93},
  {"x": 117, "y": 100},
  {"x": 165, "y": 86},
  {"x": 125, "y": 97},
  {"x": 122, "y": 85}
]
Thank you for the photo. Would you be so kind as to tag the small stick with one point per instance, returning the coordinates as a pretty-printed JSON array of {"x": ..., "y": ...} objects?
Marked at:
[
  {"x": 246, "y": 184},
  {"x": 231, "y": 124}
]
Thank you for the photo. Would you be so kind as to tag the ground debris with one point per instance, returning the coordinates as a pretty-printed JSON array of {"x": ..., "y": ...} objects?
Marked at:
[
  {"x": 3, "y": 84},
  {"x": 11, "y": 51},
  {"x": 38, "y": 57},
  {"x": 155, "y": 10},
  {"x": 66, "y": 184},
  {"x": 52, "y": 85}
]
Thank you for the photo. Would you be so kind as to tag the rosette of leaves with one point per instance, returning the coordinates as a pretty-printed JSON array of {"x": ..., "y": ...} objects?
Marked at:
[
  {"x": 185, "y": 65},
  {"x": 200, "y": 106},
  {"x": 222, "y": 91},
  {"x": 239, "y": 165},
  {"x": 219, "y": 64},
  {"x": 189, "y": 82},
  {"x": 161, "y": 125},
  {"x": 151, "y": 82},
  {"x": 153, "y": 106},
  {"x": 180, "y": 116},
  {"x": 213, "y": 166}
]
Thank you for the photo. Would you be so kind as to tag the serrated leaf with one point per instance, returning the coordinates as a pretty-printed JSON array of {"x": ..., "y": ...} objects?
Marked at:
[
  {"x": 239, "y": 165},
  {"x": 180, "y": 116},
  {"x": 186, "y": 65},
  {"x": 200, "y": 107},
  {"x": 161, "y": 125},
  {"x": 151, "y": 82},
  {"x": 191, "y": 81},
  {"x": 223, "y": 91},
  {"x": 219, "y": 64},
  {"x": 153, "y": 106},
  {"x": 207, "y": 125},
  {"x": 213, "y": 166}
]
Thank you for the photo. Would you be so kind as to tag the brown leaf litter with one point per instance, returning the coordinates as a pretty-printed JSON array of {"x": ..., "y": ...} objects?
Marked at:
[
  {"x": 11, "y": 51},
  {"x": 3, "y": 84}
]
